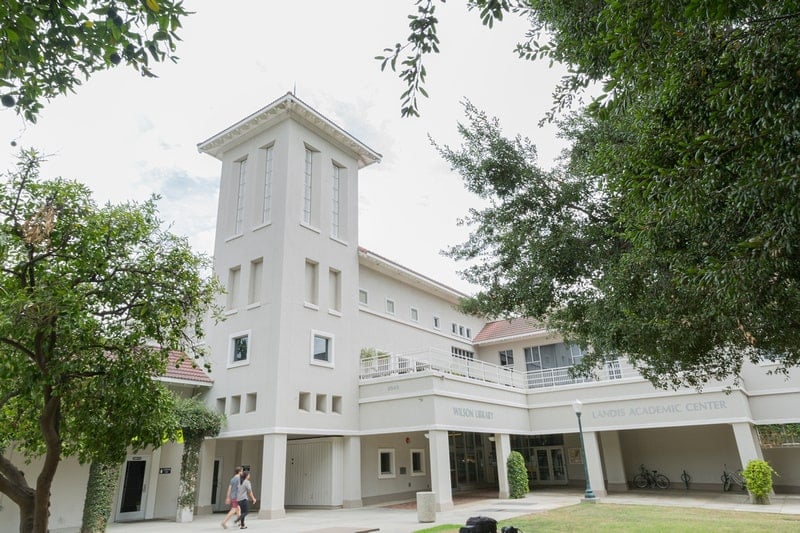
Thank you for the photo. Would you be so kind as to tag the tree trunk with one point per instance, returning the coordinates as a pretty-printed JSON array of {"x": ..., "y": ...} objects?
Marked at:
[
  {"x": 49, "y": 423},
  {"x": 99, "y": 495},
  {"x": 14, "y": 485},
  {"x": 190, "y": 465}
]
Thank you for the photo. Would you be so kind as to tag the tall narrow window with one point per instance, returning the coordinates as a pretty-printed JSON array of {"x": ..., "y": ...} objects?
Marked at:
[
  {"x": 266, "y": 208},
  {"x": 234, "y": 275},
  {"x": 335, "y": 201},
  {"x": 335, "y": 288},
  {"x": 312, "y": 283},
  {"x": 256, "y": 275},
  {"x": 242, "y": 167},
  {"x": 307, "y": 186}
]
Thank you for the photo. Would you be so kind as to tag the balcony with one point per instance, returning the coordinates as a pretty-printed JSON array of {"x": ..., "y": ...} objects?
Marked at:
[{"x": 442, "y": 363}]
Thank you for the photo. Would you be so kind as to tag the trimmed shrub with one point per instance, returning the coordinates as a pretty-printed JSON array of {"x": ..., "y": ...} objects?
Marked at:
[
  {"x": 758, "y": 476},
  {"x": 517, "y": 475}
]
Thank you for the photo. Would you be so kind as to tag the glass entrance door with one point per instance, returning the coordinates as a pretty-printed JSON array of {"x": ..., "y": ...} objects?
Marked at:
[
  {"x": 551, "y": 469},
  {"x": 133, "y": 489}
]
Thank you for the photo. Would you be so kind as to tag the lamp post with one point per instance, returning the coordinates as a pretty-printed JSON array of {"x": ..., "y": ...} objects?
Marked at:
[{"x": 577, "y": 406}]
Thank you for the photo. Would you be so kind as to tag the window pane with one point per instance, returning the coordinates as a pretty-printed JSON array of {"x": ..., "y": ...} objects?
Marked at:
[
  {"x": 321, "y": 348},
  {"x": 240, "y": 349}
]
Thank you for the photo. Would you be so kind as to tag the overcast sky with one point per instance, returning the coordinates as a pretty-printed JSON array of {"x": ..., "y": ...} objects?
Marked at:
[{"x": 128, "y": 137}]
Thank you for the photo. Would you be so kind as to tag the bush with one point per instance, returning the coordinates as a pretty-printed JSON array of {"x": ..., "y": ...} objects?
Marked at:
[
  {"x": 758, "y": 476},
  {"x": 517, "y": 475}
]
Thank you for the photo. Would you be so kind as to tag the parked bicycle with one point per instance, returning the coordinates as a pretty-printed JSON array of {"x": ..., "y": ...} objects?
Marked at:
[
  {"x": 647, "y": 479},
  {"x": 732, "y": 478}
]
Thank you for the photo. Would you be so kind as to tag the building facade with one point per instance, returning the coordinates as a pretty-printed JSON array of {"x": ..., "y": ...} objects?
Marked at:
[{"x": 348, "y": 379}]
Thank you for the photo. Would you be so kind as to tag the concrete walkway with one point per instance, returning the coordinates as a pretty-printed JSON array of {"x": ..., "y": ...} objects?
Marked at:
[{"x": 391, "y": 519}]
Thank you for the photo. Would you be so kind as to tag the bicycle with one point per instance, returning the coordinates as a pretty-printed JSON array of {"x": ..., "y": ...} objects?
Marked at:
[
  {"x": 732, "y": 478},
  {"x": 646, "y": 479}
]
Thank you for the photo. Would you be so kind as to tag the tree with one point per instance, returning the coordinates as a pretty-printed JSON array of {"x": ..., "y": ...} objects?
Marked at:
[
  {"x": 47, "y": 48},
  {"x": 196, "y": 422},
  {"x": 688, "y": 162},
  {"x": 91, "y": 301}
]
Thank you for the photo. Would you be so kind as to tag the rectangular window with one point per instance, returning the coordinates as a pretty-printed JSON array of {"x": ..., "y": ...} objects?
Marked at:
[
  {"x": 469, "y": 333},
  {"x": 239, "y": 349},
  {"x": 266, "y": 208},
  {"x": 240, "y": 196},
  {"x": 234, "y": 275},
  {"x": 417, "y": 462},
  {"x": 386, "y": 463},
  {"x": 437, "y": 323},
  {"x": 558, "y": 355},
  {"x": 455, "y": 328},
  {"x": 506, "y": 357},
  {"x": 363, "y": 297},
  {"x": 336, "y": 201},
  {"x": 308, "y": 185},
  {"x": 321, "y": 348},
  {"x": 256, "y": 275},
  {"x": 389, "y": 306},
  {"x": 335, "y": 288},
  {"x": 460, "y": 352},
  {"x": 312, "y": 283},
  {"x": 415, "y": 314}
]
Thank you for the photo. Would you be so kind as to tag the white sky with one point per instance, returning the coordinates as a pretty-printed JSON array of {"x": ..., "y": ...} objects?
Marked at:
[{"x": 128, "y": 137}]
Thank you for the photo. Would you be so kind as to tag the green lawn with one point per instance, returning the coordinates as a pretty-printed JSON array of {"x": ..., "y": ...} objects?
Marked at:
[{"x": 645, "y": 519}]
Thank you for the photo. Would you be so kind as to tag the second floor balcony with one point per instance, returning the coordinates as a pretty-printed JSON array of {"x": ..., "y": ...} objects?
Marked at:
[{"x": 382, "y": 365}]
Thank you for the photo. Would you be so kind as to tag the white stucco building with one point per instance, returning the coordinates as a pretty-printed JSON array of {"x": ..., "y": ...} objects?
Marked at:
[{"x": 348, "y": 379}]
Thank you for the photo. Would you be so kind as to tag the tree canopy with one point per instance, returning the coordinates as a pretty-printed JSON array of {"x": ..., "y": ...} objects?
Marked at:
[
  {"x": 670, "y": 231},
  {"x": 48, "y": 48},
  {"x": 91, "y": 301}
]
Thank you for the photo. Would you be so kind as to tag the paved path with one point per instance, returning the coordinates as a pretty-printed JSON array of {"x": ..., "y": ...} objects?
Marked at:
[{"x": 404, "y": 520}]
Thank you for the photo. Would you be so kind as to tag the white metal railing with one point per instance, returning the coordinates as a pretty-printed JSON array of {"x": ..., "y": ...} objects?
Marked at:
[{"x": 383, "y": 365}]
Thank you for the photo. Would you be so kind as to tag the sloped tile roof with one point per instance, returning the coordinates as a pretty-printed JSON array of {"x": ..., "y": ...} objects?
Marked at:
[
  {"x": 501, "y": 329},
  {"x": 185, "y": 370}
]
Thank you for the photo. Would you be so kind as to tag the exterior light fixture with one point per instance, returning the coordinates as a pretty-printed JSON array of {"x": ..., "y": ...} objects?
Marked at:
[{"x": 577, "y": 406}]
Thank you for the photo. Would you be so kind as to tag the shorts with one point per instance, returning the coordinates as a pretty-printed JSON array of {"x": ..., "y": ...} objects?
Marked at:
[{"x": 234, "y": 504}]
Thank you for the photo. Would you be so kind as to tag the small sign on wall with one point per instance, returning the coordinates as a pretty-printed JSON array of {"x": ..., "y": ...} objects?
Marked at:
[
  {"x": 165, "y": 470},
  {"x": 575, "y": 457}
]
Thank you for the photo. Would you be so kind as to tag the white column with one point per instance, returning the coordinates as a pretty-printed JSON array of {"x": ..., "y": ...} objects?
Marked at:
[
  {"x": 205, "y": 479},
  {"x": 502, "y": 446},
  {"x": 594, "y": 463},
  {"x": 747, "y": 442},
  {"x": 612, "y": 456},
  {"x": 273, "y": 481},
  {"x": 440, "y": 469},
  {"x": 352, "y": 472}
]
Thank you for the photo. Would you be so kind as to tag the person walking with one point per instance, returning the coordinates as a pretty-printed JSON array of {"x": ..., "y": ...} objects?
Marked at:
[
  {"x": 232, "y": 497},
  {"x": 245, "y": 491}
]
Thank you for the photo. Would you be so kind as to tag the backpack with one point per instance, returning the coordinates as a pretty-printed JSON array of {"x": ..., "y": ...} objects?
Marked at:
[{"x": 479, "y": 524}]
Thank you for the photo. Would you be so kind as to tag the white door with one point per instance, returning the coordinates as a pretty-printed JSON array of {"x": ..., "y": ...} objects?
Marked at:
[{"x": 133, "y": 488}]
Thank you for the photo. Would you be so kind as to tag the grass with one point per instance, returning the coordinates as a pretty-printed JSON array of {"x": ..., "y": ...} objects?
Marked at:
[{"x": 608, "y": 518}]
